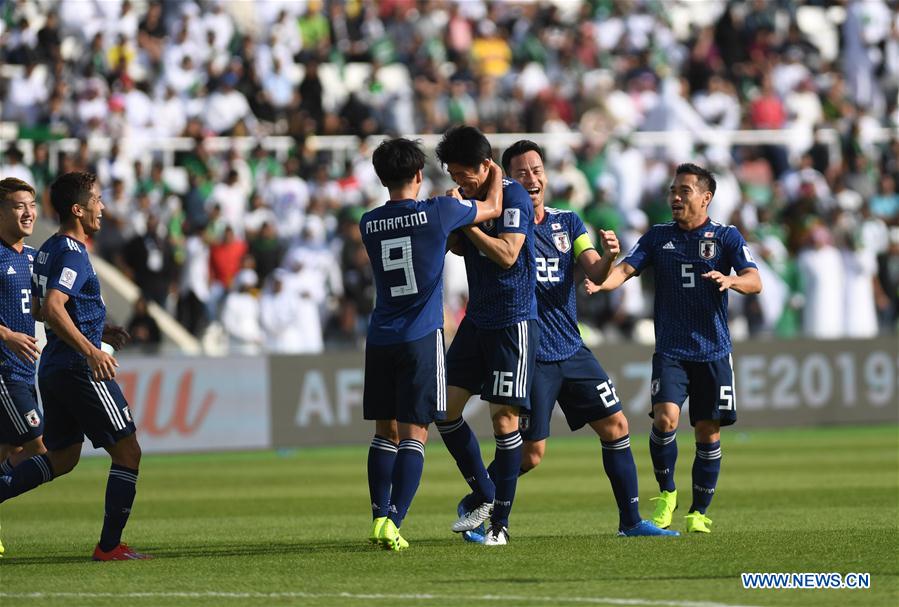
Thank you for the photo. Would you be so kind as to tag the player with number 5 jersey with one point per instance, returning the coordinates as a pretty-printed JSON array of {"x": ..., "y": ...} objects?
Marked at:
[
  {"x": 693, "y": 259},
  {"x": 405, "y": 373}
]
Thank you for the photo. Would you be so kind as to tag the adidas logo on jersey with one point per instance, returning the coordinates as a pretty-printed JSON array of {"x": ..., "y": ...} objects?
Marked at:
[
  {"x": 669, "y": 246},
  {"x": 11, "y": 270}
]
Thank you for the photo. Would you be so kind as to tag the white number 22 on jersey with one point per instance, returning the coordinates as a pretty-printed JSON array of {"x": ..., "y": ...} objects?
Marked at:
[
  {"x": 547, "y": 269},
  {"x": 404, "y": 263}
]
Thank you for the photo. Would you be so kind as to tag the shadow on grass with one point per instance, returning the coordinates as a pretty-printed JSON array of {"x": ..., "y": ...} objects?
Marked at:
[{"x": 215, "y": 550}]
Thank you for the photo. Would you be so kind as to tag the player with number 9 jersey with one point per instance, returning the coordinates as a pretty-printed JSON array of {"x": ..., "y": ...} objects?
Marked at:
[
  {"x": 405, "y": 374},
  {"x": 405, "y": 240}
]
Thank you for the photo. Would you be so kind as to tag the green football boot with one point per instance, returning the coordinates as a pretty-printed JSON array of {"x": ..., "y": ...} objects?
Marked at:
[
  {"x": 666, "y": 504},
  {"x": 390, "y": 537},
  {"x": 375, "y": 535},
  {"x": 697, "y": 522}
]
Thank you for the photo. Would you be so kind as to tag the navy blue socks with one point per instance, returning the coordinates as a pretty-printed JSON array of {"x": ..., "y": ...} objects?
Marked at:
[
  {"x": 706, "y": 466},
  {"x": 381, "y": 456},
  {"x": 120, "y": 490},
  {"x": 663, "y": 451}
]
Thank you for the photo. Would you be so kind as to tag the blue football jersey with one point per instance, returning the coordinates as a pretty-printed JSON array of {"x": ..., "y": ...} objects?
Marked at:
[
  {"x": 560, "y": 239},
  {"x": 15, "y": 307},
  {"x": 690, "y": 312},
  {"x": 62, "y": 263},
  {"x": 499, "y": 298},
  {"x": 406, "y": 243}
]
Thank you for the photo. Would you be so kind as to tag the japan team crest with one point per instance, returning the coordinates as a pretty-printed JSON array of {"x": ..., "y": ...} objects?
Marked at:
[
  {"x": 488, "y": 225},
  {"x": 33, "y": 419},
  {"x": 656, "y": 384},
  {"x": 560, "y": 239},
  {"x": 707, "y": 249},
  {"x": 524, "y": 422}
]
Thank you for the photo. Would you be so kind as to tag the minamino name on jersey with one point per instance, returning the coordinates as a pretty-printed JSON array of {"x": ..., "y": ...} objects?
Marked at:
[{"x": 395, "y": 223}]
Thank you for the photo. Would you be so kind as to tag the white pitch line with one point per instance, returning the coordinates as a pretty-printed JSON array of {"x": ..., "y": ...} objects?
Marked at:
[{"x": 366, "y": 597}]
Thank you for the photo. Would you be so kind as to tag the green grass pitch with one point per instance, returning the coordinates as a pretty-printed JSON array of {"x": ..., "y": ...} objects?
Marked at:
[{"x": 290, "y": 528}]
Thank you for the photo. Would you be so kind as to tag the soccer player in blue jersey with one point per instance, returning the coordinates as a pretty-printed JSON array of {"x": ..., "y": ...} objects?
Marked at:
[
  {"x": 21, "y": 423},
  {"x": 566, "y": 369},
  {"x": 75, "y": 376},
  {"x": 405, "y": 373},
  {"x": 494, "y": 348},
  {"x": 693, "y": 257}
]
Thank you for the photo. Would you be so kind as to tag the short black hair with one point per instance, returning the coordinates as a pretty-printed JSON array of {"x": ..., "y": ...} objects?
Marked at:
[
  {"x": 68, "y": 189},
  {"x": 396, "y": 161},
  {"x": 522, "y": 146},
  {"x": 11, "y": 185},
  {"x": 464, "y": 145},
  {"x": 703, "y": 177}
]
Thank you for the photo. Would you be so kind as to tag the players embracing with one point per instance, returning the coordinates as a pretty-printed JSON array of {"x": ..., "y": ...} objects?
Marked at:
[
  {"x": 494, "y": 349},
  {"x": 405, "y": 373}
]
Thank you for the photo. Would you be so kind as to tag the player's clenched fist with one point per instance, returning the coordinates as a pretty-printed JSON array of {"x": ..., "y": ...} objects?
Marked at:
[{"x": 610, "y": 243}]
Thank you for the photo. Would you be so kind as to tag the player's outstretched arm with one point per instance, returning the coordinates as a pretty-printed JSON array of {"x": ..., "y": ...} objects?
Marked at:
[
  {"x": 21, "y": 344},
  {"x": 747, "y": 282},
  {"x": 595, "y": 267},
  {"x": 615, "y": 279},
  {"x": 55, "y": 315}
]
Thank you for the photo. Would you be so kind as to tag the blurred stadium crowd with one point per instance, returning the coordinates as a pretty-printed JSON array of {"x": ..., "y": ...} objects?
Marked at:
[{"x": 259, "y": 247}]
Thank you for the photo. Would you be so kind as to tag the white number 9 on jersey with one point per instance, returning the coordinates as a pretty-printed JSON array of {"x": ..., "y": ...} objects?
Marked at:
[{"x": 403, "y": 262}]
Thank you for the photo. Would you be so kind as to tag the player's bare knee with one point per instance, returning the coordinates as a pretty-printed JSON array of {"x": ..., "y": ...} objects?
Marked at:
[
  {"x": 133, "y": 453},
  {"x": 707, "y": 431},
  {"x": 64, "y": 460},
  {"x": 665, "y": 417},
  {"x": 388, "y": 429},
  {"x": 126, "y": 452},
  {"x": 612, "y": 427},
  {"x": 34, "y": 447},
  {"x": 505, "y": 418},
  {"x": 456, "y": 398}
]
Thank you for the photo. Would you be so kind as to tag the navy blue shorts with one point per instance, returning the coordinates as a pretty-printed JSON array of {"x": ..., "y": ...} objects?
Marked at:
[
  {"x": 407, "y": 381},
  {"x": 497, "y": 363},
  {"x": 710, "y": 386},
  {"x": 579, "y": 384},
  {"x": 76, "y": 405},
  {"x": 20, "y": 416}
]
